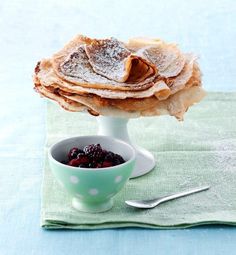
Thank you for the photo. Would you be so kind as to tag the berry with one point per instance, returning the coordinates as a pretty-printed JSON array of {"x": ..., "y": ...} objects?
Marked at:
[
  {"x": 92, "y": 165},
  {"x": 83, "y": 165},
  {"x": 104, "y": 153},
  {"x": 109, "y": 156},
  {"x": 93, "y": 151},
  {"x": 74, "y": 162},
  {"x": 93, "y": 156},
  {"x": 73, "y": 153},
  {"x": 117, "y": 160},
  {"x": 82, "y": 158},
  {"x": 107, "y": 164}
]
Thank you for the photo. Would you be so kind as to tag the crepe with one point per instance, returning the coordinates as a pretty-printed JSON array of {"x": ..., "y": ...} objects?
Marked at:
[
  {"x": 166, "y": 57},
  {"x": 113, "y": 60},
  {"x": 72, "y": 64},
  {"x": 176, "y": 105},
  {"x": 144, "y": 77},
  {"x": 161, "y": 88},
  {"x": 65, "y": 103},
  {"x": 179, "y": 82},
  {"x": 74, "y": 106},
  {"x": 47, "y": 77}
]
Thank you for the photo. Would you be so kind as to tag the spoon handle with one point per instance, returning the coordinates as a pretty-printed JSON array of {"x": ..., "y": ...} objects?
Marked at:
[{"x": 182, "y": 194}]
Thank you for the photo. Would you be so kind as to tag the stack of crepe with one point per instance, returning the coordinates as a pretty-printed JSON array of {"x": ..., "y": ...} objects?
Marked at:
[{"x": 143, "y": 77}]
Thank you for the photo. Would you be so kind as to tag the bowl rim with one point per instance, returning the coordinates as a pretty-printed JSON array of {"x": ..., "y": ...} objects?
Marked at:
[{"x": 74, "y": 168}]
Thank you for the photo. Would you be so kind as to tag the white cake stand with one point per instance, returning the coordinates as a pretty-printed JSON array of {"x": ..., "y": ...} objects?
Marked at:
[{"x": 117, "y": 128}]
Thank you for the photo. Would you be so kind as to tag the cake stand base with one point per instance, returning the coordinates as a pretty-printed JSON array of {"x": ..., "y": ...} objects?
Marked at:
[{"x": 117, "y": 128}]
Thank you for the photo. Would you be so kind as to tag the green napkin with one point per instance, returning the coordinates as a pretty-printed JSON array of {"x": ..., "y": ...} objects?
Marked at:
[{"x": 199, "y": 151}]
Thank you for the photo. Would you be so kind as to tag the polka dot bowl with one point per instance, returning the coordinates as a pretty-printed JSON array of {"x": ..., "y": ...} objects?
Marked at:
[{"x": 92, "y": 190}]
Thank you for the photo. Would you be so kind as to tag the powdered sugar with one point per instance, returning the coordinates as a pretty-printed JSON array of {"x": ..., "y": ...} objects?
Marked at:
[
  {"x": 77, "y": 68},
  {"x": 108, "y": 58},
  {"x": 162, "y": 56},
  {"x": 77, "y": 65},
  {"x": 175, "y": 67},
  {"x": 179, "y": 82}
]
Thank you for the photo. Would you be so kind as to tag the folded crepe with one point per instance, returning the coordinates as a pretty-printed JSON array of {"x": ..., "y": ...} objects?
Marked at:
[
  {"x": 48, "y": 77},
  {"x": 143, "y": 77},
  {"x": 166, "y": 57},
  {"x": 102, "y": 64}
]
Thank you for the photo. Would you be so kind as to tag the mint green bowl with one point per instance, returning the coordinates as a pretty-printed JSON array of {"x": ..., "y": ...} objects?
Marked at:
[{"x": 92, "y": 190}]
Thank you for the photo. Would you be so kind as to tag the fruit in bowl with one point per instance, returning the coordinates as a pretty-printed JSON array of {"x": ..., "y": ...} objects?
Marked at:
[
  {"x": 94, "y": 169},
  {"x": 93, "y": 156}
]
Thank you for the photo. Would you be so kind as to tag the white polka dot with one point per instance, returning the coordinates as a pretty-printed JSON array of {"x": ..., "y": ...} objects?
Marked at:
[
  {"x": 79, "y": 195},
  {"x": 74, "y": 179},
  {"x": 118, "y": 178},
  {"x": 93, "y": 192}
]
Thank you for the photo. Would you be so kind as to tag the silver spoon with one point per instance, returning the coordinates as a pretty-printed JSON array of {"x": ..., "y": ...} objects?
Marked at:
[{"x": 146, "y": 204}]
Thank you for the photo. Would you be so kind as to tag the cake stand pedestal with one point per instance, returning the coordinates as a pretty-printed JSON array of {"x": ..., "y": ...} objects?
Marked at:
[{"x": 117, "y": 128}]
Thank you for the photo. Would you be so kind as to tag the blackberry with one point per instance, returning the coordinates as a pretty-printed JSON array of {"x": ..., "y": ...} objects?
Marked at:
[
  {"x": 83, "y": 165},
  {"x": 82, "y": 158},
  {"x": 92, "y": 165},
  {"x": 104, "y": 153},
  {"x": 116, "y": 159},
  {"x": 99, "y": 165},
  {"x": 93, "y": 151},
  {"x": 73, "y": 153},
  {"x": 93, "y": 156},
  {"x": 109, "y": 156}
]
